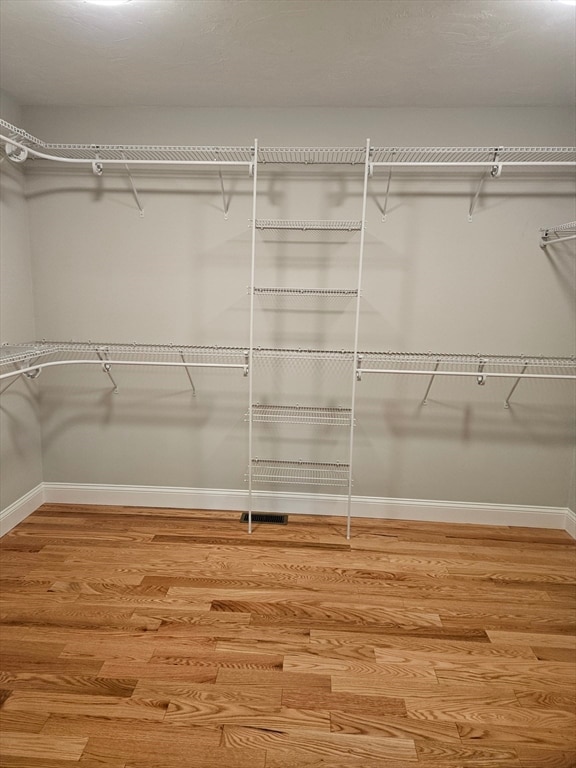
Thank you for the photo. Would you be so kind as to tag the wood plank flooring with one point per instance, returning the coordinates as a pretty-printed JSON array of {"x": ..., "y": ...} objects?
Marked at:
[{"x": 148, "y": 638}]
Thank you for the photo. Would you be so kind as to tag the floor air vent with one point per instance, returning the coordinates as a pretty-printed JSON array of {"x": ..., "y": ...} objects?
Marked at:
[{"x": 261, "y": 517}]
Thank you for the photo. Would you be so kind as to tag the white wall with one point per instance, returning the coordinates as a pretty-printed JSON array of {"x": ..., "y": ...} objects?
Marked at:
[
  {"x": 20, "y": 448},
  {"x": 433, "y": 281}
]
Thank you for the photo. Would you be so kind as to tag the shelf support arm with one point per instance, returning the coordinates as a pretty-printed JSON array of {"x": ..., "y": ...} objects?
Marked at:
[
  {"x": 544, "y": 242},
  {"x": 188, "y": 374},
  {"x": 429, "y": 387},
  {"x": 507, "y": 401},
  {"x": 225, "y": 202},
  {"x": 493, "y": 173},
  {"x": 15, "y": 378},
  {"x": 134, "y": 190},
  {"x": 106, "y": 368}
]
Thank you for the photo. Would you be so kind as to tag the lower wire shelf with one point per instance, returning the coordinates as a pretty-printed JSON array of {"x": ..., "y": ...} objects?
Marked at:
[{"x": 300, "y": 472}]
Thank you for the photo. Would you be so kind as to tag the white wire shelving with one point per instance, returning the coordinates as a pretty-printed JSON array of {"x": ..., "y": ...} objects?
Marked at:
[
  {"x": 302, "y": 414},
  {"x": 303, "y": 292},
  {"x": 346, "y": 225},
  {"x": 279, "y": 471},
  {"x": 21, "y": 145},
  {"x": 558, "y": 234},
  {"x": 479, "y": 367},
  {"x": 32, "y": 358}
]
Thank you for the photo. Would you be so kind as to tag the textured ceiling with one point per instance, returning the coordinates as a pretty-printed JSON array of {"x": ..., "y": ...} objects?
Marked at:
[{"x": 278, "y": 53}]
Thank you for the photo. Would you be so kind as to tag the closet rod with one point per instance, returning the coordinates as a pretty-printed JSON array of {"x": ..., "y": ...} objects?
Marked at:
[{"x": 40, "y": 366}]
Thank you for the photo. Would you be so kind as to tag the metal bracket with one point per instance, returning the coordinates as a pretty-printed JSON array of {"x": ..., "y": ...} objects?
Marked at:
[
  {"x": 97, "y": 167},
  {"x": 246, "y": 362},
  {"x": 507, "y": 401},
  {"x": 14, "y": 153},
  {"x": 225, "y": 203},
  {"x": 188, "y": 374},
  {"x": 134, "y": 190},
  {"x": 481, "y": 379},
  {"x": 425, "y": 400},
  {"x": 106, "y": 368},
  {"x": 493, "y": 173},
  {"x": 359, "y": 368}
]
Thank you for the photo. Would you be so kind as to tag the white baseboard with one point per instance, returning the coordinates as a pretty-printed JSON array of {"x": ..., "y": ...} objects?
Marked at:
[
  {"x": 287, "y": 503},
  {"x": 314, "y": 504},
  {"x": 21, "y": 508},
  {"x": 570, "y": 525}
]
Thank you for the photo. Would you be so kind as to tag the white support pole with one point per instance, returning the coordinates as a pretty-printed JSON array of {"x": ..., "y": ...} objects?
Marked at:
[
  {"x": 356, "y": 338},
  {"x": 251, "y": 347}
]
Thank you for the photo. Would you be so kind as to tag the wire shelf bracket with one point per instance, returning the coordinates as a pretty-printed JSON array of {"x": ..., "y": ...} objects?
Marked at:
[{"x": 558, "y": 234}]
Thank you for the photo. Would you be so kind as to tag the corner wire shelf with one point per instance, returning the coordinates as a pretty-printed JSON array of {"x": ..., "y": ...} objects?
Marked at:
[
  {"x": 345, "y": 225},
  {"x": 31, "y": 358},
  {"x": 558, "y": 234},
  {"x": 302, "y": 414},
  {"x": 300, "y": 472},
  {"x": 19, "y": 145},
  {"x": 297, "y": 292}
]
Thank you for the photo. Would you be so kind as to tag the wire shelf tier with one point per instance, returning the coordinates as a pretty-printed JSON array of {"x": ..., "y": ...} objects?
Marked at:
[
  {"x": 261, "y": 291},
  {"x": 313, "y": 155},
  {"x": 299, "y": 414},
  {"x": 18, "y": 358},
  {"x": 473, "y": 155},
  {"x": 129, "y": 152},
  {"x": 122, "y": 153},
  {"x": 273, "y": 353},
  {"x": 351, "y": 226},
  {"x": 559, "y": 233},
  {"x": 439, "y": 364},
  {"x": 300, "y": 472}
]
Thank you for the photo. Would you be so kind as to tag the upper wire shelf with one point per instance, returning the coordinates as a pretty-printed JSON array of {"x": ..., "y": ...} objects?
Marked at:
[
  {"x": 308, "y": 225},
  {"x": 21, "y": 144},
  {"x": 558, "y": 234}
]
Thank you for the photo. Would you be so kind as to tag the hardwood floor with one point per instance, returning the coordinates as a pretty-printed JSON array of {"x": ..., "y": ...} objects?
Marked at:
[{"x": 146, "y": 638}]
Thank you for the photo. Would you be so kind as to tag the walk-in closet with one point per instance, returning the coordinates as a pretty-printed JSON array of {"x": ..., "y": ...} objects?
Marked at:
[{"x": 287, "y": 318}]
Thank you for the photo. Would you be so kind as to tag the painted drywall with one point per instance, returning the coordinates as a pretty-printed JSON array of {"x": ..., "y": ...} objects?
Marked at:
[
  {"x": 433, "y": 281},
  {"x": 20, "y": 444}
]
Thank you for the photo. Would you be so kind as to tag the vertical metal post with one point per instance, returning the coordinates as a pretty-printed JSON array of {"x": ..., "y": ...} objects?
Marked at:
[
  {"x": 251, "y": 347},
  {"x": 356, "y": 337}
]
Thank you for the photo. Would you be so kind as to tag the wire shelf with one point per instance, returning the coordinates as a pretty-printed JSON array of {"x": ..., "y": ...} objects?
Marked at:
[
  {"x": 135, "y": 153},
  {"x": 299, "y": 414},
  {"x": 351, "y": 226},
  {"x": 313, "y": 155},
  {"x": 19, "y": 358},
  {"x": 305, "y": 292},
  {"x": 443, "y": 364},
  {"x": 274, "y": 353},
  {"x": 300, "y": 472},
  {"x": 472, "y": 155},
  {"x": 559, "y": 233}
]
